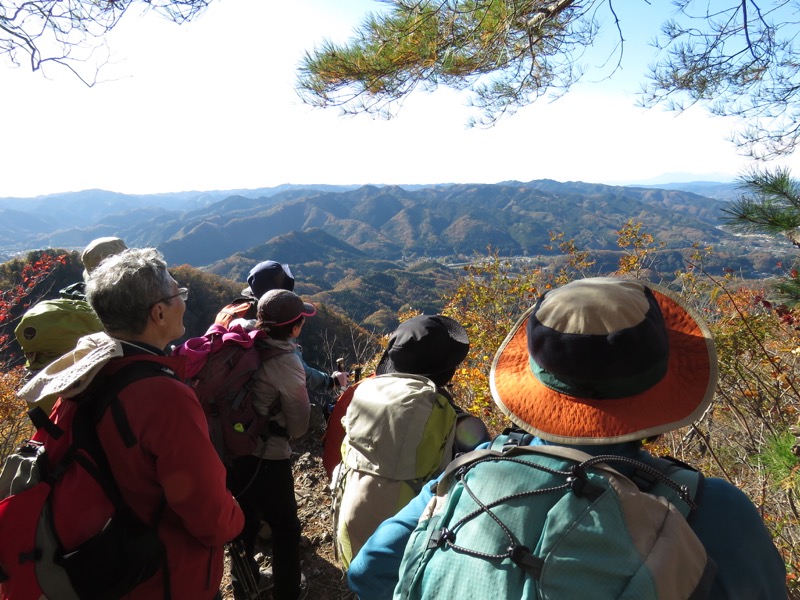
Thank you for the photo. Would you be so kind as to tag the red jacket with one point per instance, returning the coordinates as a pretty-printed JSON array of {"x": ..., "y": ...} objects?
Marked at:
[{"x": 174, "y": 459}]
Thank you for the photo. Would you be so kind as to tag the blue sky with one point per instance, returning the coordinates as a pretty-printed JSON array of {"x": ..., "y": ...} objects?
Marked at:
[{"x": 211, "y": 105}]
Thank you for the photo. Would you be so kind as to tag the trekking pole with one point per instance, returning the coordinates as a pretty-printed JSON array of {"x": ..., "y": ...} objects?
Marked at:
[
  {"x": 241, "y": 570},
  {"x": 340, "y": 366},
  {"x": 332, "y": 399},
  {"x": 355, "y": 373}
]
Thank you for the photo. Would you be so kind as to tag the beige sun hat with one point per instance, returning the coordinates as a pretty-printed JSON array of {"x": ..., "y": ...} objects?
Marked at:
[{"x": 99, "y": 249}]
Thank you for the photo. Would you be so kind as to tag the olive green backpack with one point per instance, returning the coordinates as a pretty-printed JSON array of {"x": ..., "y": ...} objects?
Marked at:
[
  {"x": 399, "y": 434},
  {"x": 51, "y": 328}
]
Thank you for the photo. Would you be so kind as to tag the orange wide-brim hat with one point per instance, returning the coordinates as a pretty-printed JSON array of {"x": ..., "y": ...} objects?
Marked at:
[{"x": 605, "y": 360}]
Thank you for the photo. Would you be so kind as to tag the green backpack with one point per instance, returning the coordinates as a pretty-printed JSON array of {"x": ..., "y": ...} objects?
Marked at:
[
  {"x": 399, "y": 434},
  {"x": 552, "y": 522},
  {"x": 51, "y": 328}
]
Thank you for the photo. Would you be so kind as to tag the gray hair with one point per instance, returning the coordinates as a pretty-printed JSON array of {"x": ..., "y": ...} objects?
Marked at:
[{"x": 124, "y": 287}]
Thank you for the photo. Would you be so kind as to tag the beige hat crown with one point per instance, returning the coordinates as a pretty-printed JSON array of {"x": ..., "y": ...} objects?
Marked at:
[{"x": 99, "y": 249}]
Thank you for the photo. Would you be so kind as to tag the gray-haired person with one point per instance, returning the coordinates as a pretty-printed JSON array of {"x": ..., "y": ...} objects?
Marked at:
[{"x": 172, "y": 469}]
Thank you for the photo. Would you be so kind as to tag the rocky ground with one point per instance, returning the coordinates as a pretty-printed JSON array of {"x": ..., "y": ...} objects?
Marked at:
[{"x": 327, "y": 581}]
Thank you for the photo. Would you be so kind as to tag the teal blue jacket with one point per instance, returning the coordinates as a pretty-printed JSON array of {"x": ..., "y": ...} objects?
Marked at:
[{"x": 749, "y": 566}]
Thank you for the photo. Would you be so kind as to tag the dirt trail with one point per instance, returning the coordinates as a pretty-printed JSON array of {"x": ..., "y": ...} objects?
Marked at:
[{"x": 313, "y": 498}]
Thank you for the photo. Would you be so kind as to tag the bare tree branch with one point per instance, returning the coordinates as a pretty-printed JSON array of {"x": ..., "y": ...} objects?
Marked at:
[{"x": 68, "y": 33}]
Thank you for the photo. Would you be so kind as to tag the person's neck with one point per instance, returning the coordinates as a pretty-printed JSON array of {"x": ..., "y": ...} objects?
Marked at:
[
  {"x": 141, "y": 348},
  {"x": 149, "y": 341}
]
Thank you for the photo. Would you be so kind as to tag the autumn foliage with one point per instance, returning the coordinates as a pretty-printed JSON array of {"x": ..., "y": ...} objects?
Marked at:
[
  {"x": 749, "y": 434},
  {"x": 14, "y": 425}
]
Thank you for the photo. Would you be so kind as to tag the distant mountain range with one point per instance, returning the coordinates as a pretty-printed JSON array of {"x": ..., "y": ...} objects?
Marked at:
[
  {"x": 73, "y": 218},
  {"x": 372, "y": 250},
  {"x": 57, "y": 212},
  {"x": 710, "y": 189},
  {"x": 200, "y": 228},
  {"x": 448, "y": 223}
]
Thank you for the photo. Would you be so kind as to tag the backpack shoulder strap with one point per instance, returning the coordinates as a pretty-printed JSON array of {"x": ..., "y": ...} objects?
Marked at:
[
  {"x": 92, "y": 405},
  {"x": 96, "y": 400},
  {"x": 266, "y": 352},
  {"x": 103, "y": 395},
  {"x": 450, "y": 473},
  {"x": 689, "y": 479},
  {"x": 511, "y": 437},
  {"x": 41, "y": 420},
  {"x": 679, "y": 483}
]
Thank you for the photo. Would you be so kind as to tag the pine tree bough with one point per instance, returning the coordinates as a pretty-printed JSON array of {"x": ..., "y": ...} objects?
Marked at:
[{"x": 739, "y": 60}]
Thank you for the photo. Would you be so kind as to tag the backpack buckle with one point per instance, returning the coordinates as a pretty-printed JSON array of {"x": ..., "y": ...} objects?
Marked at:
[
  {"x": 580, "y": 485},
  {"x": 523, "y": 557},
  {"x": 441, "y": 538},
  {"x": 514, "y": 438}
]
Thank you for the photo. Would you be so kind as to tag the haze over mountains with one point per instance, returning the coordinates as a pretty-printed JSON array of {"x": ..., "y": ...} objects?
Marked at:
[
  {"x": 512, "y": 213},
  {"x": 369, "y": 251},
  {"x": 338, "y": 224}
]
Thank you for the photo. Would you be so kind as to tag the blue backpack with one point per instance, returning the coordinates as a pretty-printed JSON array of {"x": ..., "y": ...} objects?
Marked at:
[{"x": 530, "y": 522}]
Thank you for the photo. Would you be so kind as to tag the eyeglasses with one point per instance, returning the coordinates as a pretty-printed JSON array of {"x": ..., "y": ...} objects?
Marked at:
[{"x": 182, "y": 292}]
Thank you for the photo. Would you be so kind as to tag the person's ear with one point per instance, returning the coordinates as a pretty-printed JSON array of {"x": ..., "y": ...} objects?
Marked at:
[{"x": 157, "y": 312}]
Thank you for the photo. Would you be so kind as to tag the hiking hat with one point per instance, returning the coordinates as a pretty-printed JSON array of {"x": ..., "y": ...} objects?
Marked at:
[
  {"x": 605, "y": 360},
  {"x": 99, "y": 249},
  {"x": 428, "y": 345},
  {"x": 279, "y": 307},
  {"x": 266, "y": 276}
]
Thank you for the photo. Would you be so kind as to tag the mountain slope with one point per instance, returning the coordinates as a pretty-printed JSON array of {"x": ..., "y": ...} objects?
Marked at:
[
  {"x": 394, "y": 223},
  {"x": 449, "y": 223}
]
